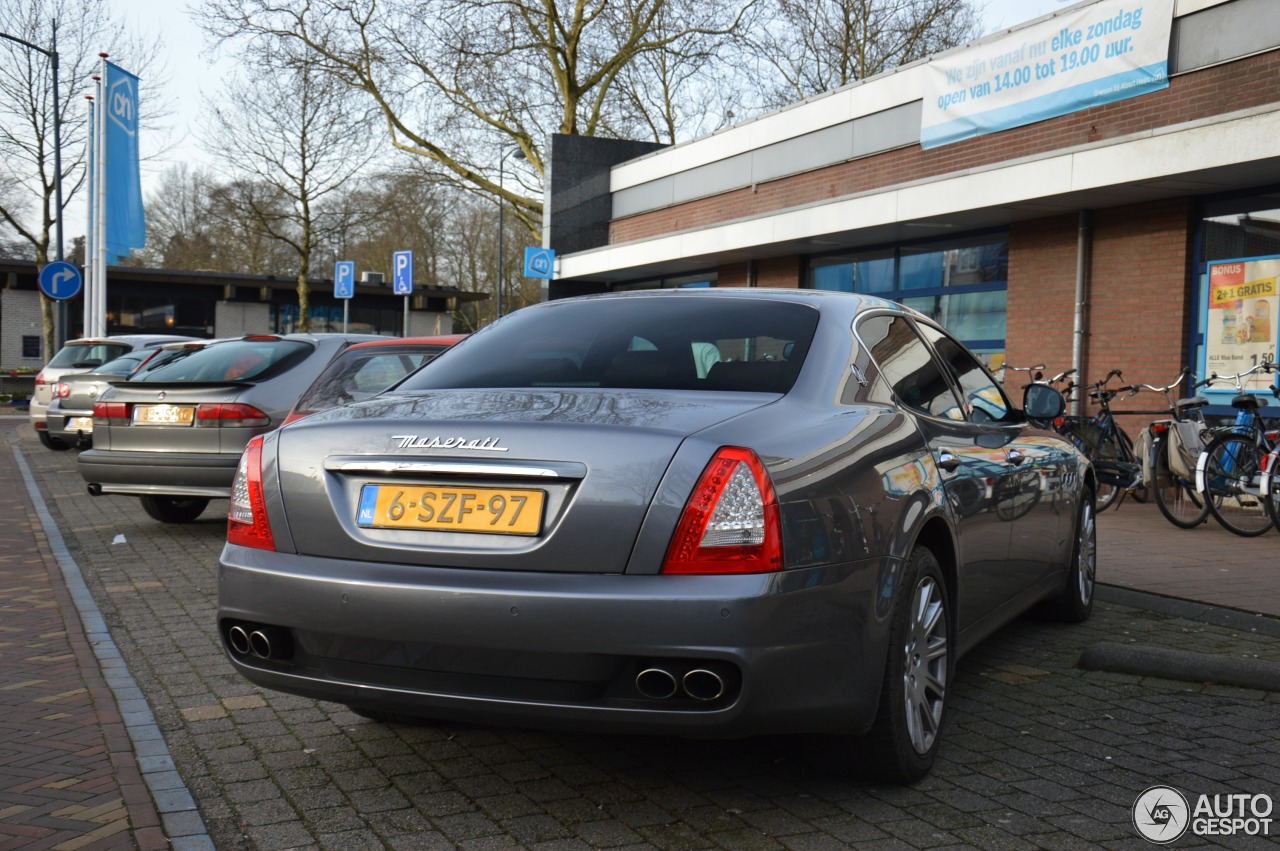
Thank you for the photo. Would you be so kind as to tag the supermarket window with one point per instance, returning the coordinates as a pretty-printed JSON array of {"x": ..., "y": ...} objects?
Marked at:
[{"x": 962, "y": 284}]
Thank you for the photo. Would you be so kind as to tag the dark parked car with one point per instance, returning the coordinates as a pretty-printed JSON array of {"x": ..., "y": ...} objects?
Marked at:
[
  {"x": 174, "y": 435},
  {"x": 69, "y": 419},
  {"x": 714, "y": 512},
  {"x": 366, "y": 369}
]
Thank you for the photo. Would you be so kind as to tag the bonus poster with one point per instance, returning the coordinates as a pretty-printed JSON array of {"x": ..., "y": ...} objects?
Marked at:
[{"x": 1240, "y": 330}]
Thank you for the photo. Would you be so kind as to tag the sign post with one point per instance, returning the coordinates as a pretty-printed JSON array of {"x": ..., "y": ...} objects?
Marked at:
[
  {"x": 402, "y": 281},
  {"x": 344, "y": 286}
]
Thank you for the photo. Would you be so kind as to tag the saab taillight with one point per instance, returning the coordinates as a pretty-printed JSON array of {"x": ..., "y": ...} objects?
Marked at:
[
  {"x": 230, "y": 415},
  {"x": 111, "y": 413},
  {"x": 247, "y": 523},
  {"x": 730, "y": 523}
]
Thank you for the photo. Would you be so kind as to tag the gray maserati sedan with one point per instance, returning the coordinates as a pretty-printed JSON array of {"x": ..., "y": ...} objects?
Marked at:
[{"x": 713, "y": 512}]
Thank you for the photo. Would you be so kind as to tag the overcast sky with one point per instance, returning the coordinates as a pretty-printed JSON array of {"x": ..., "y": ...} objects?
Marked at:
[{"x": 193, "y": 69}]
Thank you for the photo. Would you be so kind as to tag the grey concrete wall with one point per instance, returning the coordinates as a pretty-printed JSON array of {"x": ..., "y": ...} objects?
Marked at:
[{"x": 19, "y": 317}]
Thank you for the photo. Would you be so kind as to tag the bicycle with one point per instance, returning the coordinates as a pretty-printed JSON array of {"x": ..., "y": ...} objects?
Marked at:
[
  {"x": 1230, "y": 470},
  {"x": 1175, "y": 446},
  {"x": 1108, "y": 447}
]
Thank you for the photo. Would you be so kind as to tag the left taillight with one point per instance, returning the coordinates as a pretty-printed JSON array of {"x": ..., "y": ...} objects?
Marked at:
[
  {"x": 111, "y": 413},
  {"x": 61, "y": 390},
  {"x": 730, "y": 523},
  {"x": 247, "y": 523}
]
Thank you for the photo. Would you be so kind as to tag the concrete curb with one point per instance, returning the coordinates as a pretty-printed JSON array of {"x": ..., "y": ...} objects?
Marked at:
[
  {"x": 175, "y": 804},
  {"x": 1190, "y": 609},
  {"x": 1150, "y": 661}
]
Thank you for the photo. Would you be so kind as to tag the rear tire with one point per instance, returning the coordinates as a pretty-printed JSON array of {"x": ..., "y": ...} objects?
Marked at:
[
  {"x": 52, "y": 442},
  {"x": 174, "y": 509},
  {"x": 1076, "y": 601},
  {"x": 1233, "y": 484},
  {"x": 903, "y": 742},
  {"x": 1175, "y": 496}
]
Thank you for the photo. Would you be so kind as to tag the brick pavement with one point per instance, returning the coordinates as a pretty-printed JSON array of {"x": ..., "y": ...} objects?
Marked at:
[
  {"x": 1038, "y": 753},
  {"x": 69, "y": 778}
]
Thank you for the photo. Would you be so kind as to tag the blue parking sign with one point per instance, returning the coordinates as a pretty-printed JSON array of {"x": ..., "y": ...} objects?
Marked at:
[
  {"x": 344, "y": 279},
  {"x": 402, "y": 272}
]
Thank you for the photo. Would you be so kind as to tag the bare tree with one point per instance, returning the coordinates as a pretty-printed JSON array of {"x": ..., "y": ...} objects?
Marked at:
[
  {"x": 84, "y": 28},
  {"x": 296, "y": 129},
  {"x": 459, "y": 82},
  {"x": 814, "y": 46}
]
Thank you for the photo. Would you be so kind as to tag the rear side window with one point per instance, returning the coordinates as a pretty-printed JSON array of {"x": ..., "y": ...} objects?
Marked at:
[
  {"x": 908, "y": 366},
  {"x": 659, "y": 343},
  {"x": 87, "y": 355},
  {"x": 237, "y": 360},
  {"x": 359, "y": 374}
]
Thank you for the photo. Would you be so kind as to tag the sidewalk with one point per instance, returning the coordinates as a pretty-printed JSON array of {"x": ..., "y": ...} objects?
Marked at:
[{"x": 69, "y": 777}]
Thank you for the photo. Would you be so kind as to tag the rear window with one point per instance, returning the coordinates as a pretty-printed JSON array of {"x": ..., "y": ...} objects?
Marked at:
[
  {"x": 87, "y": 355},
  {"x": 660, "y": 343},
  {"x": 359, "y": 374},
  {"x": 236, "y": 360}
]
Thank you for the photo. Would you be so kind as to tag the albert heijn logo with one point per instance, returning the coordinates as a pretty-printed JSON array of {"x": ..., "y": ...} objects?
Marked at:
[{"x": 122, "y": 103}]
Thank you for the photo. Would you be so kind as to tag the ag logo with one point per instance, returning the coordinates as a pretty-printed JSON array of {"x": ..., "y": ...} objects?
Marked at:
[
  {"x": 1161, "y": 815},
  {"x": 122, "y": 104}
]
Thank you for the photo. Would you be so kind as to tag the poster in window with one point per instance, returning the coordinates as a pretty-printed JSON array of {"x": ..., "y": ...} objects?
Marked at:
[{"x": 1240, "y": 329}]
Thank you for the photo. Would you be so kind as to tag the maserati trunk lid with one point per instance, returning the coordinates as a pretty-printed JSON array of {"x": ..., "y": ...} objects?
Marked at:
[{"x": 547, "y": 480}]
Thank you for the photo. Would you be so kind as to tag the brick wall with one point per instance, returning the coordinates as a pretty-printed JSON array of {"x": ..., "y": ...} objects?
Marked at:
[
  {"x": 1248, "y": 82},
  {"x": 20, "y": 311},
  {"x": 1138, "y": 297}
]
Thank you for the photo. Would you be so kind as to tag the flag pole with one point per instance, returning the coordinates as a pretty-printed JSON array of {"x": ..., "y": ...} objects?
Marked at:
[
  {"x": 100, "y": 246},
  {"x": 90, "y": 240}
]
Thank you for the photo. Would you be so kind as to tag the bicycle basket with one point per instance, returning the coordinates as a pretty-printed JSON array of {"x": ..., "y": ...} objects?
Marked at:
[{"x": 1185, "y": 445}]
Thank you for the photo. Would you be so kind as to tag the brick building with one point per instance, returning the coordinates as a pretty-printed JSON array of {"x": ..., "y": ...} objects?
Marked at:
[{"x": 1083, "y": 237}]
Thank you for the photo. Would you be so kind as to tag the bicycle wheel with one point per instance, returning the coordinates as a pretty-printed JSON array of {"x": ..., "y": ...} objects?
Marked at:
[
  {"x": 1175, "y": 496},
  {"x": 1271, "y": 487},
  {"x": 1127, "y": 453},
  {"x": 1232, "y": 484},
  {"x": 1108, "y": 493}
]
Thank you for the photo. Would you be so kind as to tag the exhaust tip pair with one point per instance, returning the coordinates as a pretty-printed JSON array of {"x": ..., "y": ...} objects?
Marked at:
[
  {"x": 662, "y": 683},
  {"x": 261, "y": 642}
]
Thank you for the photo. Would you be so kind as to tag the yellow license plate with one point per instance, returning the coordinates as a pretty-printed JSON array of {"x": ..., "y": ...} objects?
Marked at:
[
  {"x": 164, "y": 414},
  {"x": 495, "y": 511}
]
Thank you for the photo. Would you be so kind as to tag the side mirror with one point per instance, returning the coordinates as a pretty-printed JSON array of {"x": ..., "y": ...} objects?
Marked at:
[{"x": 1042, "y": 402}]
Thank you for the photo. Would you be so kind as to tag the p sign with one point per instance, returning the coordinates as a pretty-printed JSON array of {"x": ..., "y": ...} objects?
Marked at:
[
  {"x": 344, "y": 279},
  {"x": 402, "y": 272},
  {"x": 539, "y": 263}
]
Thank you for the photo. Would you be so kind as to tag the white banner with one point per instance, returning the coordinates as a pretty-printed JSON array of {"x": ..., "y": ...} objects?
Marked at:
[{"x": 1112, "y": 50}]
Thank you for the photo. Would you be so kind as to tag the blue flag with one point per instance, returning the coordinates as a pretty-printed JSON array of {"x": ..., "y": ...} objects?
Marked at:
[{"x": 126, "y": 224}]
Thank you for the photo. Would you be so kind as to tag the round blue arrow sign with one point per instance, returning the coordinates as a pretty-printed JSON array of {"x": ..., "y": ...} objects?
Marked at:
[{"x": 60, "y": 280}]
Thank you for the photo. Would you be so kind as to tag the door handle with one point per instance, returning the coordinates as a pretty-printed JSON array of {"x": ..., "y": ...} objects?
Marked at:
[
  {"x": 948, "y": 461},
  {"x": 1015, "y": 457}
]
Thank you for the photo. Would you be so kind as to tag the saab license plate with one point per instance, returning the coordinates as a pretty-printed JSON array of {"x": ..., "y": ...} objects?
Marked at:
[
  {"x": 164, "y": 414},
  {"x": 84, "y": 424},
  {"x": 495, "y": 511}
]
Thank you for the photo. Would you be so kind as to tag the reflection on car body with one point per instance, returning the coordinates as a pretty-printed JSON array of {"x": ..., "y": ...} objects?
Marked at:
[{"x": 799, "y": 533}]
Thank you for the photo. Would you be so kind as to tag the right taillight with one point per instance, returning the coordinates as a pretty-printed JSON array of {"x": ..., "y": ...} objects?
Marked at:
[
  {"x": 247, "y": 523},
  {"x": 730, "y": 523}
]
